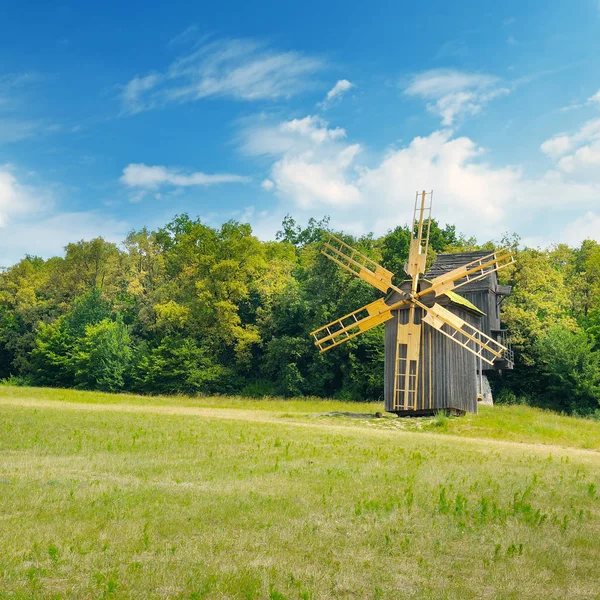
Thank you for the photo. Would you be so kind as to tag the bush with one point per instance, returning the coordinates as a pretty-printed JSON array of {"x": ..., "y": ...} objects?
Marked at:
[
  {"x": 17, "y": 381},
  {"x": 508, "y": 396},
  {"x": 259, "y": 389}
]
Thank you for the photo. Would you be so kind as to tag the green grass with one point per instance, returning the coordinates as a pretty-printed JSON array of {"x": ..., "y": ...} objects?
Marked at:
[
  {"x": 129, "y": 497},
  {"x": 270, "y": 404},
  {"x": 527, "y": 424}
]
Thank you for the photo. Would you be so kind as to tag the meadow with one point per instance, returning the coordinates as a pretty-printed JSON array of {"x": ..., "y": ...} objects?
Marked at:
[{"x": 116, "y": 496}]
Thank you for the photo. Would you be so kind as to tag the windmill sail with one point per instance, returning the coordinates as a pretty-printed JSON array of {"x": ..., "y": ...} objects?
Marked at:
[
  {"x": 419, "y": 242},
  {"x": 470, "y": 272},
  {"x": 357, "y": 264},
  {"x": 353, "y": 324},
  {"x": 465, "y": 335}
]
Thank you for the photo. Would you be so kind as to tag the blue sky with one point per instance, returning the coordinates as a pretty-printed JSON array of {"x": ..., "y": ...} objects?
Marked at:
[{"x": 121, "y": 115}]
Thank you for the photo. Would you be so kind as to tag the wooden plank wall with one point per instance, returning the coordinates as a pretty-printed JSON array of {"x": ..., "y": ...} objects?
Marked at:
[
  {"x": 453, "y": 369},
  {"x": 485, "y": 300}
]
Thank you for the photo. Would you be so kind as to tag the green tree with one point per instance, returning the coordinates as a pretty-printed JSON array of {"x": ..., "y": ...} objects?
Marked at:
[
  {"x": 53, "y": 358},
  {"x": 540, "y": 299},
  {"x": 177, "y": 365},
  {"x": 293, "y": 233},
  {"x": 569, "y": 369},
  {"x": 102, "y": 357}
]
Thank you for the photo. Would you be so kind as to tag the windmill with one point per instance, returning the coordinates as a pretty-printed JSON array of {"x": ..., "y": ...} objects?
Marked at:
[{"x": 432, "y": 342}]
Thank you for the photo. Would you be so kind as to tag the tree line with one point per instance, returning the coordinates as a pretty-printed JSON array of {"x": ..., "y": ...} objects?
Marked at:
[{"x": 190, "y": 309}]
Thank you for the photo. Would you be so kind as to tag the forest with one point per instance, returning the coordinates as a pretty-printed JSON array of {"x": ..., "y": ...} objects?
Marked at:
[{"x": 193, "y": 309}]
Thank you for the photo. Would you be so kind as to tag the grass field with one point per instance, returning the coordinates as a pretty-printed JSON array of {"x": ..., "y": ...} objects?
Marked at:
[{"x": 114, "y": 496}]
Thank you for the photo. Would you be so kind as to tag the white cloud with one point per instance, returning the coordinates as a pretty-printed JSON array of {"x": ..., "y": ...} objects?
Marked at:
[
  {"x": 440, "y": 82},
  {"x": 313, "y": 128},
  {"x": 585, "y": 227},
  {"x": 336, "y": 92},
  {"x": 239, "y": 69},
  {"x": 340, "y": 88},
  {"x": 17, "y": 199},
  {"x": 309, "y": 180},
  {"x": 562, "y": 143},
  {"x": 321, "y": 174},
  {"x": 47, "y": 235},
  {"x": 31, "y": 224},
  {"x": 139, "y": 175},
  {"x": 267, "y": 185},
  {"x": 11, "y": 84},
  {"x": 586, "y": 158},
  {"x": 186, "y": 36},
  {"x": 262, "y": 137},
  {"x": 312, "y": 160},
  {"x": 578, "y": 154},
  {"x": 454, "y": 95},
  {"x": 134, "y": 93},
  {"x": 470, "y": 192},
  {"x": 595, "y": 99},
  {"x": 556, "y": 146}
]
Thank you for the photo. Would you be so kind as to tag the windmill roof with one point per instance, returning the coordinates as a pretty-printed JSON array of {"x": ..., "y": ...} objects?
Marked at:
[{"x": 448, "y": 262}]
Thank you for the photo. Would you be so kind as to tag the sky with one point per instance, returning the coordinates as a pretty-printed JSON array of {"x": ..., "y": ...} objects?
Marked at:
[{"x": 116, "y": 116}]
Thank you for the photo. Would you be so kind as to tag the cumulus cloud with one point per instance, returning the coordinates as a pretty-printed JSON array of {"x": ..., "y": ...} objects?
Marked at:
[
  {"x": 584, "y": 227},
  {"x": 31, "y": 223},
  {"x": 310, "y": 180},
  {"x": 261, "y": 137},
  {"x": 470, "y": 190},
  {"x": 47, "y": 235},
  {"x": 454, "y": 95},
  {"x": 562, "y": 143},
  {"x": 312, "y": 160},
  {"x": 17, "y": 199},
  {"x": 139, "y": 175},
  {"x": 316, "y": 168},
  {"x": 586, "y": 158},
  {"x": 324, "y": 173},
  {"x": 578, "y": 153},
  {"x": 240, "y": 69}
]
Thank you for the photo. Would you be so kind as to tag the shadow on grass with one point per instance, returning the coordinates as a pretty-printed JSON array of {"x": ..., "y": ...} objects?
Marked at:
[{"x": 352, "y": 415}]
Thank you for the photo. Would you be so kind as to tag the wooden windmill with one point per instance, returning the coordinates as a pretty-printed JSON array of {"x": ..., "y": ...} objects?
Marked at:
[{"x": 432, "y": 340}]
